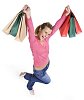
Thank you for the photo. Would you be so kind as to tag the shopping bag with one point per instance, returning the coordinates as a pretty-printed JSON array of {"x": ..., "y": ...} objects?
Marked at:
[
  {"x": 78, "y": 28},
  {"x": 72, "y": 32},
  {"x": 22, "y": 30},
  {"x": 17, "y": 26},
  {"x": 70, "y": 26},
  {"x": 8, "y": 27},
  {"x": 65, "y": 27}
]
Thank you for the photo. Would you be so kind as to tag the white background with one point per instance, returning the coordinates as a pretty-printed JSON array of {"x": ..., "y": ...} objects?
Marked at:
[{"x": 66, "y": 54}]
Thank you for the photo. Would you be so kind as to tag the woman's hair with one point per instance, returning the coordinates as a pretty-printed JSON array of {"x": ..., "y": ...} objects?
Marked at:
[{"x": 42, "y": 26}]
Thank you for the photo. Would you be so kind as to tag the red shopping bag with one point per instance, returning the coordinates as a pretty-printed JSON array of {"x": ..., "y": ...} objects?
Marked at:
[{"x": 65, "y": 27}]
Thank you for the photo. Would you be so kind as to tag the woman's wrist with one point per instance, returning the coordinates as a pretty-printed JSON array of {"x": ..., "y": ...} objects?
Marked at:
[{"x": 28, "y": 16}]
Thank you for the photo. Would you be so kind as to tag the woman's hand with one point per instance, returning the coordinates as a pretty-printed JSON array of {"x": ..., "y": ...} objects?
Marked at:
[
  {"x": 67, "y": 8},
  {"x": 26, "y": 9}
]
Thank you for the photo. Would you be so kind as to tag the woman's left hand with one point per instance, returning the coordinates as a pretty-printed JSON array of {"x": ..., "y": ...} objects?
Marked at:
[{"x": 67, "y": 8}]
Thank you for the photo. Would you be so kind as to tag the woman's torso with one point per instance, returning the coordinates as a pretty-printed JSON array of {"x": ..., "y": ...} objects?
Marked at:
[{"x": 40, "y": 52}]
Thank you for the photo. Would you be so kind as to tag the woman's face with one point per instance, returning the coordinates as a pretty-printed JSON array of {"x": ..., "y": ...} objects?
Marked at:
[{"x": 44, "y": 33}]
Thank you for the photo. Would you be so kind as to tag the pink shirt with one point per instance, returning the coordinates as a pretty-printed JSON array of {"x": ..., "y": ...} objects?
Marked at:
[{"x": 40, "y": 52}]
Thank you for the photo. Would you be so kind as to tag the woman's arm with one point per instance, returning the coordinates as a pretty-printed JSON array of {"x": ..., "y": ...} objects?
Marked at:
[
  {"x": 60, "y": 21},
  {"x": 30, "y": 27},
  {"x": 57, "y": 25}
]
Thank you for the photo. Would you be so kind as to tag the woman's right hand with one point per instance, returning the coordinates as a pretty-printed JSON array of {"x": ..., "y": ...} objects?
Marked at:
[{"x": 26, "y": 9}]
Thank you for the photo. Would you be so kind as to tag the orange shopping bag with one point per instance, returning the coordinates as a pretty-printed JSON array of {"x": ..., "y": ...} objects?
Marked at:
[{"x": 78, "y": 29}]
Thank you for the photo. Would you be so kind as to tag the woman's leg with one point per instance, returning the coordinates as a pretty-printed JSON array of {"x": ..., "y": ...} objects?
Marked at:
[
  {"x": 38, "y": 76},
  {"x": 31, "y": 80}
]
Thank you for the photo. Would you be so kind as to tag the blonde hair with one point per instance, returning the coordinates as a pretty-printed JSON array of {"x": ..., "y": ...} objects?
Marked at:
[{"x": 42, "y": 26}]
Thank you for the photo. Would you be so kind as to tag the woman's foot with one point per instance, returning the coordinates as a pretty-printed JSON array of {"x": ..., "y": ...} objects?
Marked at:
[
  {"x": 31, "y": 92},
  {"x": 22, "y": 74}
]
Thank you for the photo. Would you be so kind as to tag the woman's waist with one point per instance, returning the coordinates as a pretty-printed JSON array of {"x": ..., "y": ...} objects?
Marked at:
[{"x": 42, "y": 66}]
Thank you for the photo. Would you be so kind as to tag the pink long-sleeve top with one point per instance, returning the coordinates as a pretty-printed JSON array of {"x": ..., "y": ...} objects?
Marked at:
[{"x": 41, "y": 52}]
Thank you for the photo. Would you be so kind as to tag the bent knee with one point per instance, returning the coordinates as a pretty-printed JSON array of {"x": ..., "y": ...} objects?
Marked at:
[{"x": 48, "y": 81}]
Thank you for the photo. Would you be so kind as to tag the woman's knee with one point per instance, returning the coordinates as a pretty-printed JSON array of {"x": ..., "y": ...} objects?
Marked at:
[{"x": 48, "y": 81}]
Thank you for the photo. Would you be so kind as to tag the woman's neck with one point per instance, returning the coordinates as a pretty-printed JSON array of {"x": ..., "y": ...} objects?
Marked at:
[{"x": 41, "y": 41}]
